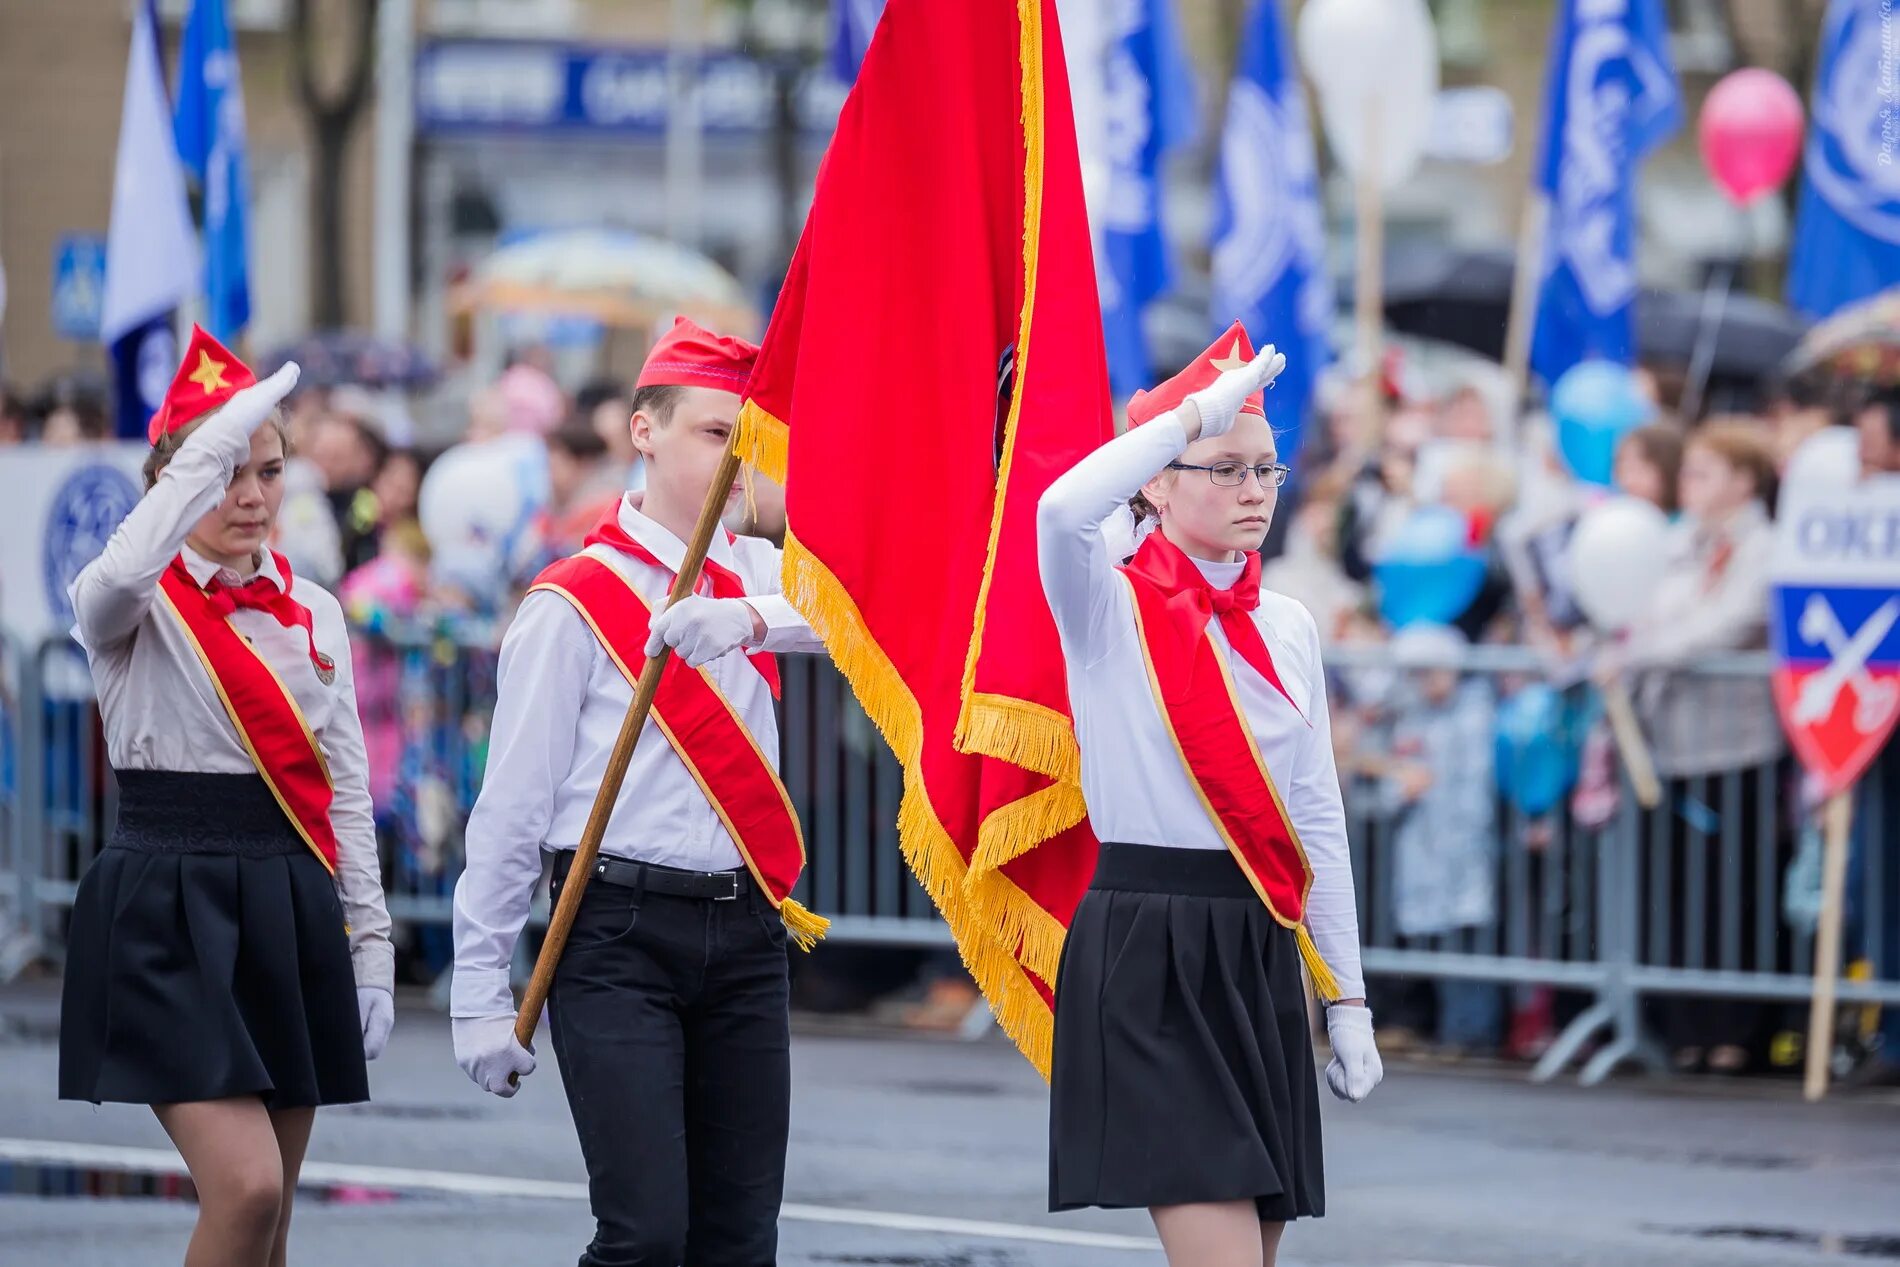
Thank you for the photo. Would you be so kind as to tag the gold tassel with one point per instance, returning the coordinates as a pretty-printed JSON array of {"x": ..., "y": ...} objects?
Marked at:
[
  {"x": 805, "y": 926},
  {"x": 1324, "y": 983},
  {"x": 1012, "y": 830}
]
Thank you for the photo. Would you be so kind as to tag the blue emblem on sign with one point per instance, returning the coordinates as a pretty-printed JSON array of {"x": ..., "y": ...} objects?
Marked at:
[{"x": 79, "y": 522}]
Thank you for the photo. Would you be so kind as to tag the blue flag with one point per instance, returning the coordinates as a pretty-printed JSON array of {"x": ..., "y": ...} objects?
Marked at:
[
  {"x": 1269, "y": 234},
  {"x": 151, "y": 250},
  {"x": 1847, "y": 234},
  {"x": 852, "y": 22},
  {"x": 1150, "y": 109},
  {"x": 210, "y": 131},
  {"x": 1612, "y": 97}
]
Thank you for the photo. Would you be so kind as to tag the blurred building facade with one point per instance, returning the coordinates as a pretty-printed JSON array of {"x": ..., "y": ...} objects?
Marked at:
[{"x": 500, "y": 148}]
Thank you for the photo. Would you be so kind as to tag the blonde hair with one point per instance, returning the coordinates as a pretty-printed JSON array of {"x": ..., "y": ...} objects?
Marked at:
[{"x": 1740, "y": 443}]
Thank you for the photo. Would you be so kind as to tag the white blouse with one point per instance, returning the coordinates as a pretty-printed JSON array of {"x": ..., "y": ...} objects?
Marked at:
[
  {"x": 560, "y": 703},
  {"x": 160, "y": 709},
  {"x": 1132, "y": 778}
]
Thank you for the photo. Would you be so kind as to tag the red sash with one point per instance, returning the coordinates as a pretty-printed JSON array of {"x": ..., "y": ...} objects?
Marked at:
[
  {"x": 722, "y": 580},
  {"x": 709, "y": 736},
  {"x": 1194, "y": 692},
  {"x": 261, "y": 708}
]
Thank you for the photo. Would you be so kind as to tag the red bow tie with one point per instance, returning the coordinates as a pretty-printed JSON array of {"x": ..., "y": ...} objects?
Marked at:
[
  {"x": 261, "y": 593},
  {"x": 1194, "y": 601}
]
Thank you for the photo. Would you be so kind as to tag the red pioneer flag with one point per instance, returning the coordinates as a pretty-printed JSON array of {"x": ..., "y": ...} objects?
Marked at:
[{"x": 934, "y": 361}]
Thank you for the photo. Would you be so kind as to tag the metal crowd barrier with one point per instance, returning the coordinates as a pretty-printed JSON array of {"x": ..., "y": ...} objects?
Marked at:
[{"x": 1682, "y": 900}]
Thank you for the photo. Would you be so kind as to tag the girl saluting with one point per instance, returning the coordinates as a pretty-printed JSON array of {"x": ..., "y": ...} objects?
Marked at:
[
  {"x": 1183, "y": 1077},
  {"x": 229, "y": 960}
]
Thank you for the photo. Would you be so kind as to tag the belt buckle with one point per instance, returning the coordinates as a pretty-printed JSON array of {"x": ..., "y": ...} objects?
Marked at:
[{"x": 733, "y": 896}]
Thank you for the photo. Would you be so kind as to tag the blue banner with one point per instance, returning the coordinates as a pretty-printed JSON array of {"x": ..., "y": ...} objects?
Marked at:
[
  {"x": 1269, "y": 233},
  {"x": 1612, "y": 97},
  {"x": 209, "y": 125},
  {"x": 1847, "y": 233},
  {"x": 1149, "y": 102},
  {"x": 852, "y": 22}
]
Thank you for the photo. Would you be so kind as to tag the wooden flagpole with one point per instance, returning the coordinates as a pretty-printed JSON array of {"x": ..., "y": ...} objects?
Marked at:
[
  {"x": 582, "y": 868},
  {"x": 1838, "y": 818}
]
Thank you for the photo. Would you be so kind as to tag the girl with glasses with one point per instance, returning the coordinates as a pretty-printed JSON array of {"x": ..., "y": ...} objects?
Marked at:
[{"x": 1183, "y": 1077}]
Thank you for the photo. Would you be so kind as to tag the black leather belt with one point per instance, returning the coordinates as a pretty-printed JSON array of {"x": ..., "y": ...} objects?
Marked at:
[{"x": 708, "y": 886}]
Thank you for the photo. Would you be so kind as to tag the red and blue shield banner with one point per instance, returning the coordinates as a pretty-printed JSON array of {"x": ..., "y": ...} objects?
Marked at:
[{"x": 1834, "y": 620}]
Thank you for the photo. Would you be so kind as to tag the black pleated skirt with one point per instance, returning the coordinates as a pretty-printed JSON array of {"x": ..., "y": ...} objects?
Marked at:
[
  {"x": 1183, "y": 1067},
  {"x": 207, "y": 956}
]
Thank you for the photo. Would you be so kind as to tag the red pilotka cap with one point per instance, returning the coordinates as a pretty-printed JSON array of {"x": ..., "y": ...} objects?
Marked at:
[
  {"x": 209, "y": 375},
  {"x": 689, "y": 355},
  {"x": 1229, "y": 352}
]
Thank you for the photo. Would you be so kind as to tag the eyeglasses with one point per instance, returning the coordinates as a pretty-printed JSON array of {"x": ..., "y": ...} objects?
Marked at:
[{"x": 1234, "y": 474}]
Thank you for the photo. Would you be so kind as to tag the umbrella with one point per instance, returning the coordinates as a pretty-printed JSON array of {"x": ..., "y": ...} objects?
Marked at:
[
  {"x": 1463, "y": 296},
  {"x": 618, "y": 278},
  {"x": 1859, "y": 342},
  {"x": 1454, "y": 295},
  {"x": 333, "y": 358},
  {"x": 1751, "y": 338}
]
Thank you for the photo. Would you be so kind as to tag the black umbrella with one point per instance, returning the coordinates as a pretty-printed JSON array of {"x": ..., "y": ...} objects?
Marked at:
[
  {"x": 1751, "y": 338},
  {"x": 1454, "y": 295},
  {"x": 333, "y": 358},
  {"x": 1463, "y": 296}
]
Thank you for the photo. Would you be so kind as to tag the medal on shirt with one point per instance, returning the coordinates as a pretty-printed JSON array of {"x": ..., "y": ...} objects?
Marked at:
[{"x": 326, "y": 668}]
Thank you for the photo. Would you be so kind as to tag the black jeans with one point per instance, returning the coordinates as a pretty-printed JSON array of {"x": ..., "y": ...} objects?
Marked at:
[{"x": 671, "y": 1024}]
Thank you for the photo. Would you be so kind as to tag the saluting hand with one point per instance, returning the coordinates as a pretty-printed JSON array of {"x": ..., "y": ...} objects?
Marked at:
[
  {"x": 1219, "y": 403},
  {"x": 251, "y": 405}
]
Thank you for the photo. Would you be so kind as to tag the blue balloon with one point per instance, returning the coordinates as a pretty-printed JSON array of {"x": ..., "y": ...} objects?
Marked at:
[
  {"x": 1430, "y": 572},
  {"x": 1596, "y": 404},
  {"x": 1537, "y": 756}
]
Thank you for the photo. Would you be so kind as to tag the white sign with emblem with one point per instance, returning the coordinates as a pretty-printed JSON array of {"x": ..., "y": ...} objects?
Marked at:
[{"x": 61, "y": 507}]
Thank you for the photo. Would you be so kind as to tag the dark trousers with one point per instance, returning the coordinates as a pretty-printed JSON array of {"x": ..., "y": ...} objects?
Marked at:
[{"x": 671, "y": 1025}]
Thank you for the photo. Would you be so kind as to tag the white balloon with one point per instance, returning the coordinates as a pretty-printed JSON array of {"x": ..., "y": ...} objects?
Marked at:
[
  {"x": 1617, "y": 557},
  {"x": 1372, "y": 59},
  {"x": 1830, "y": 458},
  {"x": 476, "y": 505}
]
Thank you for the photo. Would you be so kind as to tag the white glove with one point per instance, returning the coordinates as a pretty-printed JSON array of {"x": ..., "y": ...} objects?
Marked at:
[
  {"x": 700, "y": 630},
  {"x": 1355, "y": 1067},
  {"x": 487, "y": 1052},
  {"x": 1220, "y": 401},
  {"x": 251, "y": 405},
  {"x": 376, "y": 1008}
]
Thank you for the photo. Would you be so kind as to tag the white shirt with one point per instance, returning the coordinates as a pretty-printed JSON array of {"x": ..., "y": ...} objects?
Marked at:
[
  {"x": 559, "y": 706},
  {"x": 1132, "y": 777},
  {"x": 160, "y": 709}
]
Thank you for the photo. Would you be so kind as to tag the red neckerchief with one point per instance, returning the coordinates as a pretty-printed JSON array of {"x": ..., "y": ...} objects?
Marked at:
[
  {"x": 260, "y": 593},
  {"x": 1193, "y": 601},
  {"x": 725, "y": 582}
]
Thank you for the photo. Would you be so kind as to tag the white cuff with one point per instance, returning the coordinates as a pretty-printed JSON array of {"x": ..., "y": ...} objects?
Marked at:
[
  {"x": 477, "y": 992},
  {"x": 785, "y": 629}
]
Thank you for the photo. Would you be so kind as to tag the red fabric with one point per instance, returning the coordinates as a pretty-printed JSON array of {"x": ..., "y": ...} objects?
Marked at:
[
  {"x": 689, "y": 355},
  {"x": 1230, "y": 351},
  {"x": 1191, "y": 601},
  {"x": 266, "y": 716},
  {"x": 209, "y": 375},
  {"x": 721, "y": 580},
  {"x": 905, "y": 298},
  {"x": 1210, "y": 727},
  {"x": 696, "y": 719},
  {"x": 260, "y": 593}
]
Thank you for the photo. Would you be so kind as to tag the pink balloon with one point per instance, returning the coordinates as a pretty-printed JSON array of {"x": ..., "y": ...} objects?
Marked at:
[{"x": 1751, "y": 133}]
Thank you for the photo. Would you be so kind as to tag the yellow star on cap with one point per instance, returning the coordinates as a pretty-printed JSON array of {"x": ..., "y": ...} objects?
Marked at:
[
  {"x": 1233, "y": 360},
  {"x": 210, "y": 374}
]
